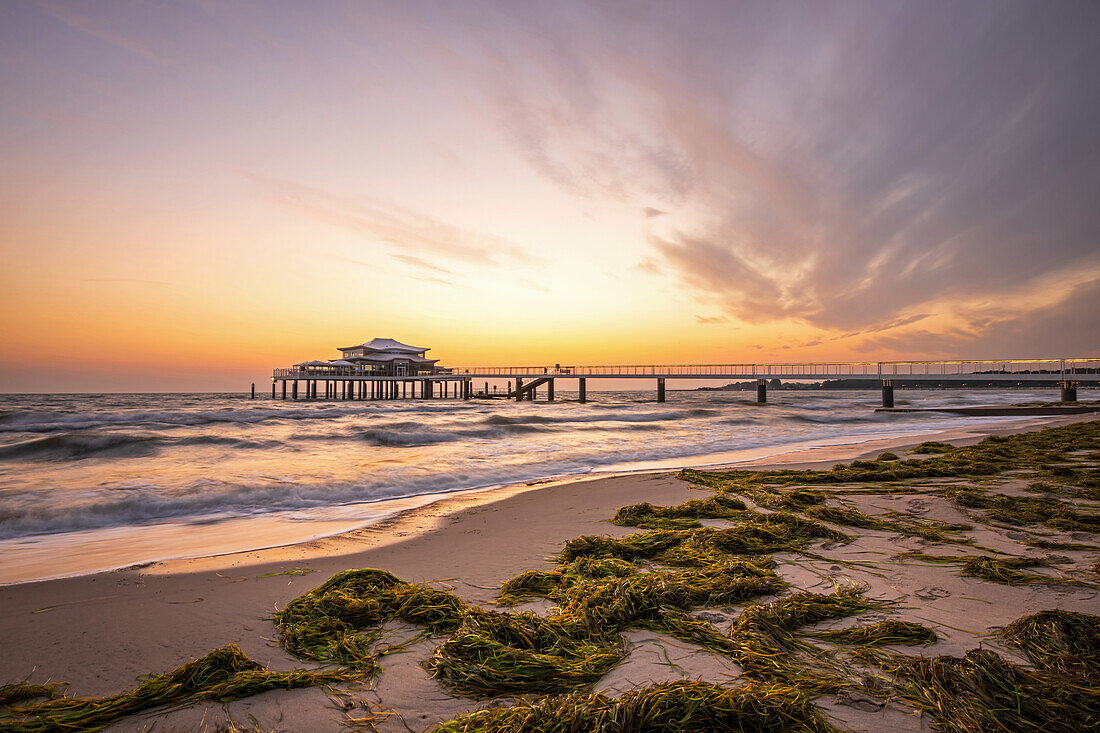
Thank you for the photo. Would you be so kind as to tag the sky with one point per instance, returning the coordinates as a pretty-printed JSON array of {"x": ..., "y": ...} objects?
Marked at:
[{"x": 194, "y": 192}]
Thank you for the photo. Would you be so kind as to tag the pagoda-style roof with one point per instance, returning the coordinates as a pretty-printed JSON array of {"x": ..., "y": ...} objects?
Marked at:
[
  {"x": 375, "y": 358},
  {"x": 386, "y": 345}
]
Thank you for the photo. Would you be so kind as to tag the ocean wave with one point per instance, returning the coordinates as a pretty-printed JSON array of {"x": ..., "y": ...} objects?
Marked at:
[
  {"x": 79, "y": 445},
  {"x": 49, "y": 422},
  {"x": 621, "y": 416},
  {"x": 61, "y": 447},
  {"x": 409, "y": 435}
]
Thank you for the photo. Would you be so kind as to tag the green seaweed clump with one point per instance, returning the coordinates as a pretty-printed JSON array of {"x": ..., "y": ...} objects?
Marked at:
[
  {"x": 326, "y": 624},
  {"x": 1065, "y": 643},
  {"x": 982, "y": 692},
  {"x": 996, "y": 569},
  {"x": 932, "y": 447},
  {"x": 683, "y": 516},
  {"x": 223, "y": 675},
  {"x": 677, "y": 707},
  {"x": 761, "y": 535},
  {"x": 491, "y": 654},
  {"x": 884, "y": 632},
  {"x": 21, "y": 691},
  {"x": 1021, "y": 510}
]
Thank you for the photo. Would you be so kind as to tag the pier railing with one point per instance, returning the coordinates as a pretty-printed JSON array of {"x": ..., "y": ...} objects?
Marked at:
[{"x": 955, "y": 369}]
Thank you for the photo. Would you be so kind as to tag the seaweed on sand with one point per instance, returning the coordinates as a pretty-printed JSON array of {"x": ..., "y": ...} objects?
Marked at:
[
  {"x": 22, "y": 691},
  {"x": 764, "y": 644},
  {"x": 499, "y": 653},
  {"x": 890, "y": 631},
  {"x": 982, "y": 692},
  {"x": 760, "y": 535},
  {"x": 327, "y": 623},
  {"x": 1021, "y": 510},
  {"x": 677, "y": 707},
  {"x": 931, "y": 447},
  {"x": 996, "y": 569},
  {"x": 683, "y": 516},
  {"x": 1065, "y": 643},
  {"x": 992, "y": 455},
  {"x": 222, "y": 675}
]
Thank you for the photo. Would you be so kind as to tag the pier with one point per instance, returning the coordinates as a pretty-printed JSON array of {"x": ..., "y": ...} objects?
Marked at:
[{"x": 347, "y": 380}]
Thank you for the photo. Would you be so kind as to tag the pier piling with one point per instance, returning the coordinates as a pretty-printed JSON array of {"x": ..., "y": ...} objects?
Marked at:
[
  {"x": 550, "y": 391},
  {"x": 1069, "y": 391},
  {"x": 582, "y": 389},
  {"x": 888, "y": 393},
  {"x": 661, "y": 389},
  {"x": 294, "y": 390},
  {"x": 519, "y": 389},
  {"x": 761, "y": 391},
  {"x": 253, "y": 390}
]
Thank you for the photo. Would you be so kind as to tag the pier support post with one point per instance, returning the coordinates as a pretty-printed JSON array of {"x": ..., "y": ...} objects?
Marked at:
[
  {"x": 284, "y": 389},
  {"x": 294, "y": 390},
  {"x": 272, "y": 389},
  {"x": 253, "y": 390},
  {"x": 660, "y": 389},
  {"x": 519, "y": 386},
  {"x": 550, "y": 391},
  {"x": 582, "y": 389},
  {"x": 888, "y": 393},
  {"x": 532, "y": 393},
  {"x": 1069, "y": 391},
  {"x": 761, "y": 390},
  {"x": 467, "y": 388}
]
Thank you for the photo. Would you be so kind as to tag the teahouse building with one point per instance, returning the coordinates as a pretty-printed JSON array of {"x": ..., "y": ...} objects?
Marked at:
[{"x": 388, "y": 358}]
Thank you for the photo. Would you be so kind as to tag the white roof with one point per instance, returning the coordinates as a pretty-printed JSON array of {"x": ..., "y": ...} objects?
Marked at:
[
  {"x": 341, "y": 362},
  {"x": 387, "y": 345},
  {"x": 393, "y": 357},
  {"x": 312, "y": 363}
]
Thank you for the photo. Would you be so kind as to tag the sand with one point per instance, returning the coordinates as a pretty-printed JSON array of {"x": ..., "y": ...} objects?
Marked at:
[{"x": 99, "y": 632}]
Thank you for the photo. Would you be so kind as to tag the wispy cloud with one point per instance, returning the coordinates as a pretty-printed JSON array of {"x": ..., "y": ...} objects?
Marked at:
[
  {"x": 420, "y": 263},
  {"x": 391, "y": 225},
  {"x": 94, "y": 25},
  {"x": 856, "y": 182}
]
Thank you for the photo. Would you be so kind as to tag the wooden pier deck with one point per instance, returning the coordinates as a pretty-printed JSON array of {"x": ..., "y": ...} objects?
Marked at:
[{"x": 350, "y": 383}]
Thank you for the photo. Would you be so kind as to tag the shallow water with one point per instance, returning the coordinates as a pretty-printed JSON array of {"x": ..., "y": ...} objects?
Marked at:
[{"x": 127, "y": 478}]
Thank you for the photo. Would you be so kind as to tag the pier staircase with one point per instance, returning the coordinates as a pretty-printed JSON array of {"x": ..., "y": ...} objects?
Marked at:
[{"x": 527, "y": 387}]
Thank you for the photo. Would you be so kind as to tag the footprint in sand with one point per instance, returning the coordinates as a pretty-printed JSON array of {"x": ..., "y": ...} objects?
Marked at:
[
  {"x": 932, "y": 594},
  {"x": 917, "y": 506}
]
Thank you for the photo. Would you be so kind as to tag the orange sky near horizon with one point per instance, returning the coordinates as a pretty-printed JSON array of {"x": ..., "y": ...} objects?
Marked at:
[{"x": 195, "y": 194}]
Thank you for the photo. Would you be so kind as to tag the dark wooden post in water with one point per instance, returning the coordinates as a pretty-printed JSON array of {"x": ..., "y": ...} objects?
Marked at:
[
  {"x": 519, "y": 386},
  {"x": 253, "y": 390},
  {"x": 1069, "y": 391},
  {"x": 888, "y": 393},
  {"x": 272, "y": 389},
  {"x": 660, "y": 389},
  {"x": 582, "y": 388},
  {"x": 761, "y": 390},
  {"x": 294, "y": 390},
  {"x": 284, "y": 389},
  {"x": 550, "y": 391}
]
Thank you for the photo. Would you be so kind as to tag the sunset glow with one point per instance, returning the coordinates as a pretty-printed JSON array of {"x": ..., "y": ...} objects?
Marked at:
[{"x": 194, "y": 192}]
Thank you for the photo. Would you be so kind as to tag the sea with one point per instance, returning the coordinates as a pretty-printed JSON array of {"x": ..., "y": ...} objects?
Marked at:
[{"x": 94, "y": 482}]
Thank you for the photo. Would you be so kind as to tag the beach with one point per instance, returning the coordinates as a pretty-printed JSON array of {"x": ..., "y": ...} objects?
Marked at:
[{"x": 100, "y": 632}]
